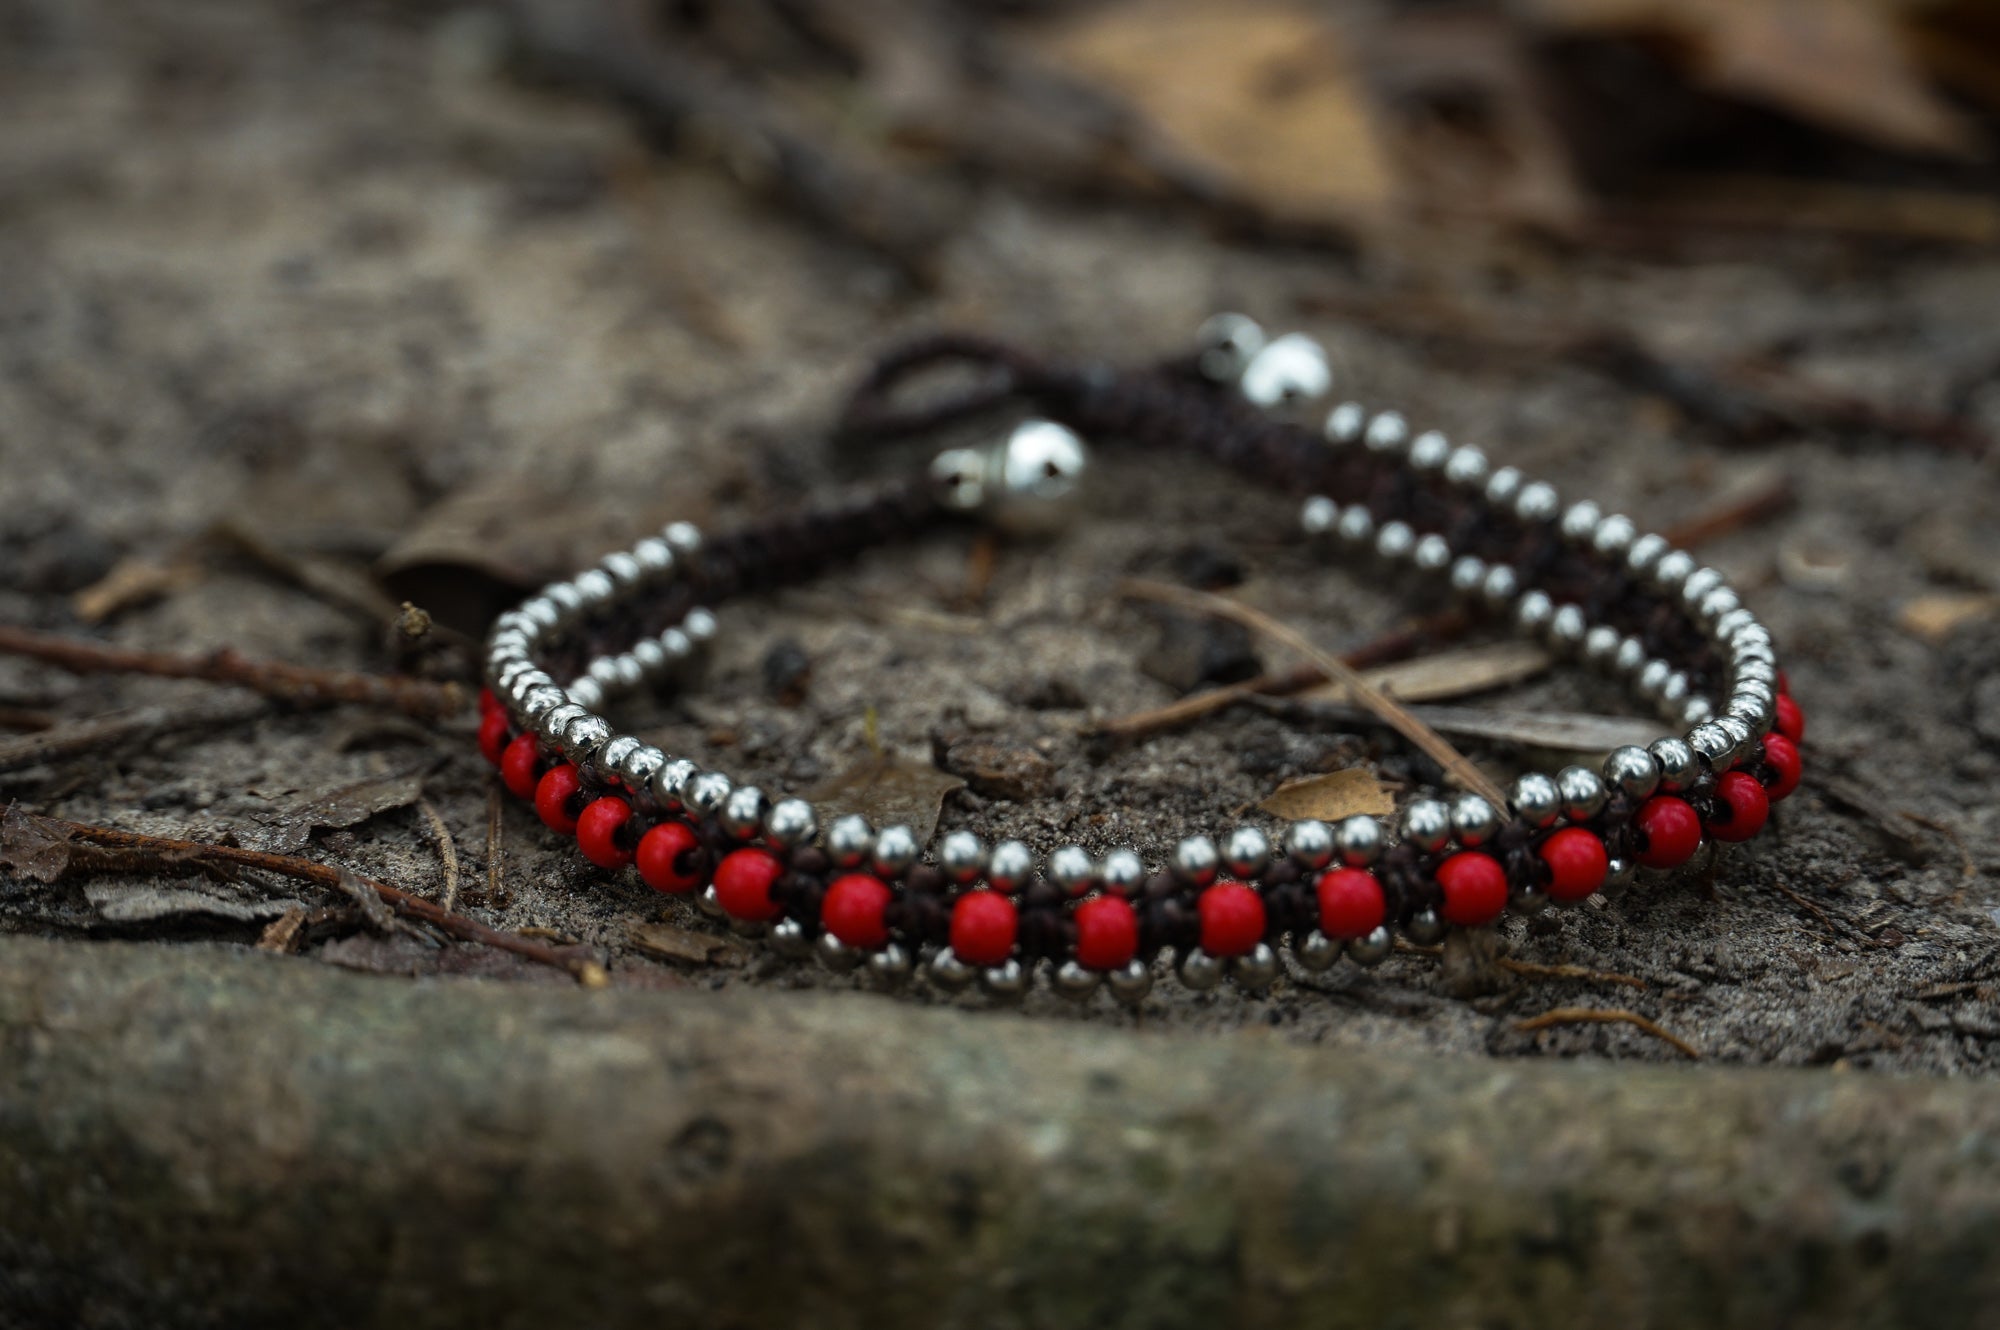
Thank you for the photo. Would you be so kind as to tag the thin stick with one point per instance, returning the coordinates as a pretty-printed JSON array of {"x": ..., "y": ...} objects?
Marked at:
[
  {"x": 496, "y": 890},
  {"x": 199, "y": 853},
  {"x": 123, "y": 729},
  {"x": 1703, "y": 527},
  {"x": 1392, "y": 712},
  {"x": 1535, "y": 970},
  {"x": 447, "y": 851},
  {"x": 1612, "y": 1016},
  {"x": 299, "y": 685}
]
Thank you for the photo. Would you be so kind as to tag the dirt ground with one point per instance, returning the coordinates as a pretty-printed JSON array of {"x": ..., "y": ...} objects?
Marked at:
[{"x": 324, "y": 277}]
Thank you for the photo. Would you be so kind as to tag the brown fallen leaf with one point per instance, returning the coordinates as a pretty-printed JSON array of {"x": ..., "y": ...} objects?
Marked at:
[
  {"x": 888, "y": 791},
  {"x": 34, "y": 847},
  {"x": 1933, "y": 617},
  {"x": 1261, "y": 93},
  {"x": 345, "y": 806},
  {"x": 669, "y": 943},
  {"x": 1330, "y": 797},
  {"x": 1448, "y": 674}
]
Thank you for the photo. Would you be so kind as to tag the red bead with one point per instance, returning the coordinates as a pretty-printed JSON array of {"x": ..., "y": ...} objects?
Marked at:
[
  {"x": 982, "y": 928},
  {"x": 853, "y": 910},
  {"x": 597, "y": 828},
  {"x": 1475, "y": 888},
  {"x": 552, "y": 798},
  {"x": 1350, "y": 903},
  {"x": 1748, "y": 806},
  {"x": 667, "y": 858},
  {"x": 1232, "y": 919},
  {"x": 1577, "y": 863},
  {"x": 521, "y": 766},
  {"x": 1790, "y": 721},
  {"x": 493, "y": 728},
  {"x": 488, "y": 704},
  {"x": 1782, "y": 756},
  {"x": 1673, "y": 832},
  {"x": 743, "y": 884},
  {"x": 1107, "y": 933}
]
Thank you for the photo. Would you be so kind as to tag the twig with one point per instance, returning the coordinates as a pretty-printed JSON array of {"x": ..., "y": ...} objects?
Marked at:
[
  {"x": 1534, "y": 970},
  {"x": 186, "y": 853},
  {"x": 298, "y": 685},
  {"x": 447, "y": 851},
  {"x": 26, "y": 718},
  {"x": 1392, "y": 712},
  {"x": 1733, "y": 516},
  {"x": 124, "y": 730},
  {"x": 496, "y": 890},
  {"x": 1606, "y": 1016},
  {"x": 281, "y": 935}
]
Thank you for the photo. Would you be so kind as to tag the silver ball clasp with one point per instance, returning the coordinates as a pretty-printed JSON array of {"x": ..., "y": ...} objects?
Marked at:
[{"x": 1023, "y": 483}]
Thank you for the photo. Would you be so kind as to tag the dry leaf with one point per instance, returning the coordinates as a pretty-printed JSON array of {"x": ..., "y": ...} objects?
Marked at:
[
  {"x": 1261, "y": 93},
  {"x": 684, "y": 944},
  {"x": 32, "y": 846},
  {"x": 123, "y": 903},
  {"x": 345, "y": 806},
  {"x": 888, "y": 791},
  {"x": 1933, "y": 617},
  {"x": 1565, "y": 732},
  {"x": 133, "y": 582},
  {"x": 1331, "y": 797},
  {"x": 1449, "y": 673}
]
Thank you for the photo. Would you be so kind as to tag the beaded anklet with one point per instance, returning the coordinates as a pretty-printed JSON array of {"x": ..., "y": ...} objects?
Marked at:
[{"x": 1588, "y": 584}]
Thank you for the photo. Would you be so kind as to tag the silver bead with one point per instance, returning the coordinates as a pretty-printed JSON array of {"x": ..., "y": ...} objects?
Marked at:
[
  {"x": 1007, "y": 981},
  {"x": 609, "y": 760},
  {"x": 742, "y": 815},
  {"x": 1071, "y": 870},
  {"x": 1733, "y": 622},
  {"x": 699, "y": 625},
  {"x": 1201, "y": 971},
  {"x": 1466, "y": 468},
  {"x": 1473, "y": 820},
  {"x": 948, "y": 972},
  {"x": 1600, "y": 647},
  {"x": 1697, "y": 710},
  {"x": 1387, "y": 433},
  {"x": 1246, "y": 853},
  {"x": 1255, "y": 969},
  {"x": 1537, "y": 800},
  {"x": 1630, "y": 657},
  {"x": 557, "y": 719},
  {"x": 595, "y": 586},
  {"x": 684, "y": 538},
  {"x": 708, "y": 792},
  {"x": 1345, "y": 422},
  {"x": 670, "y": 784},
  {"x": 1582, "y": 793},
  {"x": 1432, "y": 554},
  {"x": 1195, "y": 860},
  {"x": 1711, "y": 608},
  {"x": 1699, "y": 584},
  {"x": 1425, "y": 928},
  {"x": 836, "y": 955},
  {"x": 1034, "y": 474},
  {"x": 1671, "y": 569},
  {"x": 1566, "y": 629},
  {"x": 1580, "y": 521},
  {"x": 788, "y": 939},
  {"x": 539, "y": 702},
  {"x": 1537, "y": 502},
  {"x": 1429, "y": 451},
  {"x": 1315, "y": 952},
  {"x": 1292, "y": 368},
  {"x": 1501, "y": 586},
  {"x": 676, "y": 647},
  {"x": 582, "y": 737},
  {"x": 639, "y": 768},
  {"x": 1711, "y": 741},
  {"x": 1620, "y": 872},
  {"x": 1122, "y": 873},
  {"x": 1674, "y": 691},
  {"x": 1528, "y": 898},
  {"x": 649, "y": 657},
  {"x": 1632, "y": 771},
  {"x": 587, "y": 693},
  {"x": 1356, "y": 525},
  {"x": 890, "y": 967},
  {"x": 1427, "y": 825},
  {"x": 655, "y": 557},
  {"x": 710, "y": 903},
  {"x": 1533, "y": 612},
  {"x": 1372, "y": 948},
  {"x": 1317, "y": 517},
  {"x": 1358, "y": 840},
  {"x": 1395, "y": 540},
  {"x": 543, "y": 612},
  {"x": 962, "y": 857},
  {"x": 1614, "y": 536},
  {"x": 1010, "y": 866},
  {"x": 1227, "y": 342},
  {"x": 896, "y": 850},
  {"x": 1468, "y": 575},
  {"x": 1076, "y": 982},
  {"x": 790, "y": 824},
  {"x": 1645, "y": 552},
  {"x": 1741, "y": 739},
  {"x": 1652, "y": 679},
  {"x": 1504, "y": 486},
  {"x": 1676, "y": 761},
  {"x": 1131, "y": 984},
  {"x": 566, "y": 598},
  {"x": 850, "y": 840},
  {"x": 1309, "y": 844}
]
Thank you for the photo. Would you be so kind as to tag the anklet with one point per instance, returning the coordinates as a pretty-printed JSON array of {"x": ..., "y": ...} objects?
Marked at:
[{"x": 1590, "y": 585}]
